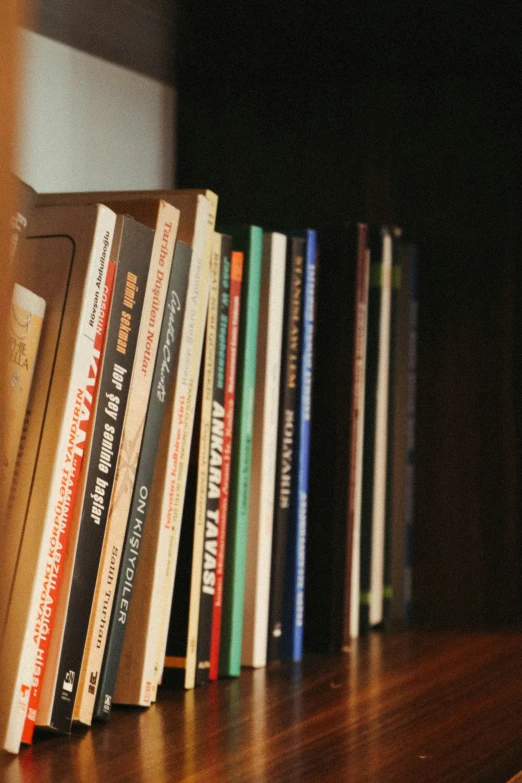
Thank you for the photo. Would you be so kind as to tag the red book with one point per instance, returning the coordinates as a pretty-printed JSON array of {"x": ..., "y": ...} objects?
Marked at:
[
  {"x": 78, "y": 439},
  {"x": 236, "y": 275}
]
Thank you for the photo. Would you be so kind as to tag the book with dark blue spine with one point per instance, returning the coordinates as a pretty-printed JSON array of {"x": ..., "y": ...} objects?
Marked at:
[{"x": 292, "y": 638}]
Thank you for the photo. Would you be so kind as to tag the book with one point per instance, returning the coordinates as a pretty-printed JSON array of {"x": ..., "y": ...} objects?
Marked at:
[
  {"x": 378, "y": 279},
  {"x": 294, "y": 583},
  {"x": 381, "y": 434},
  {"x": 236, "y": 278},
  {"x": 212, "y": 522},
  {"x": 164, "y": 371},
  {"x": 247, "y": 240},
  {"x": 410, "y": 428},
  {"x": 78, "y": 246},
  {"x": 286, "y": 465},
  {"x": 130, "y": 251},
  {"x": 25, "y": 326},
  {"x": 198, "y": 538},
  {"x": 352, "y": 550},
  {"x": 136, "y": 678},
  {"x": 264, "y": 446}
]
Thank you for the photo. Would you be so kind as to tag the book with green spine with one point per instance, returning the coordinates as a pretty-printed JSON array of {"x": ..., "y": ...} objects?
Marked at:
[{"x": 249, "y": 240}]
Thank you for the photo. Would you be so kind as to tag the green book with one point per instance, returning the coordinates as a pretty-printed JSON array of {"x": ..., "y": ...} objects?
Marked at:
[{"x": 248, "y": 240}]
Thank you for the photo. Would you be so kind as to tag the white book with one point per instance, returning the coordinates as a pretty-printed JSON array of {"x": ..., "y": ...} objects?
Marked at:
[
  {"x": 381, "y": 438},
  {"x": 355, "y": 575},
  {"x": 136, "y": 673},
  {"x": 85, "y": 234},
  {"x": 264, "y": 448}
]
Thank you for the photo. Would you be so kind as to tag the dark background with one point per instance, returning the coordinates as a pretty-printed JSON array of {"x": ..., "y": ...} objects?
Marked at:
[{"x": 313, "y": 113}]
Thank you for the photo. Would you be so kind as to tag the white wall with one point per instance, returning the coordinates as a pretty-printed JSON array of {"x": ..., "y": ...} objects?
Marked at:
[{"x": 87, "y": 124}]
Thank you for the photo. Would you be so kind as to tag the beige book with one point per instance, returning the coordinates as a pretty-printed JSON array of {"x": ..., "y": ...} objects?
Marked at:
[
  {"x": 66, "y": 266},
  {"x": 25, "y": 325},
  {"x": 138, "y": 660}
]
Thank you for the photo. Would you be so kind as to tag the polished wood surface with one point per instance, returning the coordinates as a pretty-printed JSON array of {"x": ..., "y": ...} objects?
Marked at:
[{"x": 420, "y": 707}]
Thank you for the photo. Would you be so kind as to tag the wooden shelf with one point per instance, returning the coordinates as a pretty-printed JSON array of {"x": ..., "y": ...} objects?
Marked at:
[{"x": 399, "y": 707}]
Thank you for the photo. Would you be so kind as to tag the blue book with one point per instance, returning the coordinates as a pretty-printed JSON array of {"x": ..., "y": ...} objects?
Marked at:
[{"x": 293, "y": 614}]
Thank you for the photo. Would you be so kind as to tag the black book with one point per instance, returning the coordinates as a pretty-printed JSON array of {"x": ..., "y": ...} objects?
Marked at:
[
  {"x": 164, "y": 372},
  {"x": 131, "y": 249},
  {"x": 286, "y": 460},
  {"x": 208, "y": 575}
]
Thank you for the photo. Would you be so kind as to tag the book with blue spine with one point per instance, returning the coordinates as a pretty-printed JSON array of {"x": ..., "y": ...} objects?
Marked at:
[{"x": 292, "y": 638}]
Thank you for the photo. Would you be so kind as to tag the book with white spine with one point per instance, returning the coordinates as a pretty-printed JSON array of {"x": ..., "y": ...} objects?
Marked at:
[
  {"x": 264, "y": 451},
  {"x": 381, "y": 437},
  {"x": 81, "y": 254},
  {"x": 134, "y": 684}
]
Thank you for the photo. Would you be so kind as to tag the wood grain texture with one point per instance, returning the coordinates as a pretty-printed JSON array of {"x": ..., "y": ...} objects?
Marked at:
[
  {"x": 137, "y": 34},
  {"x": 429, "y": 708}
]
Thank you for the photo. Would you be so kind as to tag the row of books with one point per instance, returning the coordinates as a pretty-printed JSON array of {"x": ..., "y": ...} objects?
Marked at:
[
  {"x": 359, "y": 570},
  {"x": 136, "y": 553}
]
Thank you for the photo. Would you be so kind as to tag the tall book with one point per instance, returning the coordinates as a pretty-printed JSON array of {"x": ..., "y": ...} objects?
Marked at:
[
  {"x": 164, "y": 370},
  {"x": 410, "y": 437},
  {"x": 381, "y": 435},
  {"x": 352, "y": 549},
  {"x": 286, "y": 465},
  {"x": 380, "y": 288},
  {"x": 264, "y": 450},
  {"x": 247, "y": 240},
  {"x": 294, "y": 584},
  {"x": 68, "y": 269},
  {"x": 212, "y": 523},
  {"x": 25, "y": 326},
  {"x": 136, "y": 676},
  {"x": 198, "y": 539},
  {"x": 131, "y": 251},
  {"x": 396, "y": 498},
  {"x": 236, "y": 282},
  {"x": 396, "y": 385}
]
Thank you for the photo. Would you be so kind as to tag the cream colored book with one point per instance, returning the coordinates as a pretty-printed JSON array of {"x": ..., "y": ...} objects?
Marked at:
[
  {"x": 381, "y": 437},
  {"x": 67, "y": 268},
  {"x": 264, "y": 447},
  {"x": 134, "y": 684},
  {"x": 25, "y": 326}
]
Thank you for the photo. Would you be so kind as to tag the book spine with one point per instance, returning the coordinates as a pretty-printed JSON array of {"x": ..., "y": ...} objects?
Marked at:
[
  {"x": 381, "y": 437},
  {"x": 263, "y": 471},
  {"x": 96, "y": 562},
  {"x": 391, "y": 474},
  {"x": 250, "y": 241},
  {"x": 293, "y": 612},
  {"x": 370, "y": 411},
  {"x": 286, "y": 445},
  {"x": 85, "y": 428},
  {"x": 410, "y": 434},
  {"x": 137, "y": 659},
  {"x": 236, "y": 278},
  {"x": 59, "y": 501},
  {"x": 164, "y": 370},
  {"x": 207, "y": 576},
  {"x": 178, "y": 477},
  {"x": 25, "y": 326},
  {"x": 353, "y": 543}
]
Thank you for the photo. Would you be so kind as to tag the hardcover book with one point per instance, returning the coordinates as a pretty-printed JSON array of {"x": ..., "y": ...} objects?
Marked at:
[
  {"x": 264, "y": 447},
  {"x": 294, "y": 585},
  {"x": 247, "y": 240},
  {"x": 236, "y": 278},
  {"x": 286, "y": 465},
  {"x": 68, "y": 269}
]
